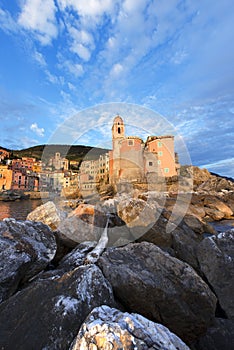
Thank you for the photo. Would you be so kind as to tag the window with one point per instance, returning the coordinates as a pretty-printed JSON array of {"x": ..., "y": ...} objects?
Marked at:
[
  {"x": 159, "y": 161},
  {"x": 166, "y": 170},
  {"x": 130, "y": 142},
  {"x": 119, "y": 130},
  {"x": 159, "y": 144},
  {"x": 150, "y": 163},
  {"x": 160, "y": 153}
]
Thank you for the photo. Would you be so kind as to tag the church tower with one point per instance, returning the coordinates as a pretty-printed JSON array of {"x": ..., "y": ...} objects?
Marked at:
[
  {"x": 118, "y": 135},
  {"x": 118, "y": 128}
]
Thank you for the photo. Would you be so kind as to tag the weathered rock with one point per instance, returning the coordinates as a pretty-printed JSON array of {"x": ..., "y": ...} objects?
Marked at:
[
  {"x": 158, "y": 233},
  {"x": 216, "y": 258},
  {"x": 220, "y": 336},
  {"x": 48, "y": 313},
  {"x": 118, "y": 232},
  {"x": 194, "y": 223},
  {"x": 182, "y": 239},
  {"x": 197, "y": 210},
  {"x": 48, "y": 214},
  {"x": 185, "y": 242},
  {"x": 108, "y": 328},
  {"x": 213, "y": 214},
  {"x": 78, "y": 226},
  {"x": 26, "y": 248},
  {"x": 149, "y": 281},
  {"x": 215, "y": 203},
  {"x": 139, "y": 215}
]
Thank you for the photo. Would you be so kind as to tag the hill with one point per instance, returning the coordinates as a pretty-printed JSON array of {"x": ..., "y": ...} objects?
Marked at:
[{"x": 75, "y": 152}]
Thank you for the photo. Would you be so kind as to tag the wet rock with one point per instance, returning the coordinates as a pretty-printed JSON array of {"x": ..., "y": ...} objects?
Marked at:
[
  {"x": 216, "y": 258},
  {"x": 48, "y": 313},
  {"x": 26, "y": 248},
  {"x": 149, "y": 281},
  {"x": 220, "y": 336},
  {"x": 108, "y": 328},
  {"x": 48, "y": 214}
]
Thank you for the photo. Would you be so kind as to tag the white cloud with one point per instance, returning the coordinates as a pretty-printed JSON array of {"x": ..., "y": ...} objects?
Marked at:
[
  {"x": 39, "y": 16},
  {"x": 39, "y": 131},
  {"x": 7, "y": 23},
  {"x": 73, "y": 68},
  {"x": 39, "y": 58},
  {"x": 90, "y": 8},
  {"x": 71, "y": 86},
  {"x": 82, "y": 43},
  {"x": 116, "y": 69}
]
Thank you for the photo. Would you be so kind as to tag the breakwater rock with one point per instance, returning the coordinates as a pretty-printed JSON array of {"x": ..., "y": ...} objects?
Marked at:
[{"x": 156, "y": 285}]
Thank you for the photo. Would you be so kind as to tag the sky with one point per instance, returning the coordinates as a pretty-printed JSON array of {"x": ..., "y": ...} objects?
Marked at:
[{"x": 66, "y": 58}]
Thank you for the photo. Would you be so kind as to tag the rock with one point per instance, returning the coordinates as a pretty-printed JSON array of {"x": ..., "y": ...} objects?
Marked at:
[
  {"x": 184, "y": 243},
  {"x": 213, "y": 214},
  {"x": 26, "y": 248},
  {"x": 108, "y": 328},
  {"x": 182, "y": 239},
  {"x": 149, "y": 281},
  {"x": 158, "y": 233},
  {"x": 48, "y": 313},
  {"x": 78, "y": 226},
  {"x": 82, "y": 210},
  {"x": 220, "y": 336},
  {"x": 194, "y": 223},
  {"x": 216, "y": 258},
  {"x": 139, "y": 215},
  {"x": 48, "y": 214},
  {"x": 215, "y": 203},
  {"x": 197, "y": 210}
]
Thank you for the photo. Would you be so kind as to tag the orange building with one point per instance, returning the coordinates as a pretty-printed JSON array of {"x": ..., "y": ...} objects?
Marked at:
[{"x": 5, "y": 178}]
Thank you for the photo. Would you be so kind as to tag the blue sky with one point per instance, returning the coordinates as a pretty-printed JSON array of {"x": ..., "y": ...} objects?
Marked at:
[{"x": 60, "y": 57}]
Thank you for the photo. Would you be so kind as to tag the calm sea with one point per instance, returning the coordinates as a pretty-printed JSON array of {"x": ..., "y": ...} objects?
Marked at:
[{"x": 18, "y": 209}]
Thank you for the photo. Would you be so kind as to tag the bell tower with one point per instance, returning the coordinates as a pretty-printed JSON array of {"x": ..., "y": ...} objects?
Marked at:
[
  {"x": 118, "y": 135},
  {"x": 118, "y": 128}
]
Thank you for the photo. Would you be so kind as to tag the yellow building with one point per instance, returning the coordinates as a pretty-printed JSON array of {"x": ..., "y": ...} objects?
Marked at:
[{"x": 5, "y": 178}]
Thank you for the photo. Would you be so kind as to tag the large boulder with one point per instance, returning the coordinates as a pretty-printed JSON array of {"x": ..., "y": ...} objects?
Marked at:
[
  {"x": 220, "y": 336},
  {"x": 108, "y": 328},
  {"x": 26, "y": 248},
  {"x": 78, "y": 226},
  {"x": 48, "y": 313},
  {"x": 48, "y": 214},
  {"x": 138, "y": 214},
  {"x": 215, "y": 203},
  {"x": 216, "y": 258},
  {"x": 164, "y": 289},
  {"x": 181, "y": 241}
]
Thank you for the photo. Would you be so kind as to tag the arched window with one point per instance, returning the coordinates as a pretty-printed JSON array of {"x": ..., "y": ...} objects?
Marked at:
[{"x": 119, "y": 130}]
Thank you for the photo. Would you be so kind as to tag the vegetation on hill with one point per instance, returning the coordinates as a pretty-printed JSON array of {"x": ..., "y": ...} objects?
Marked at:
[{"x": 75, "y": 152}]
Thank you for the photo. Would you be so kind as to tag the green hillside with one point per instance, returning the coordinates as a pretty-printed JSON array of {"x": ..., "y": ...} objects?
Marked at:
[{"x": 76, "y": 153}]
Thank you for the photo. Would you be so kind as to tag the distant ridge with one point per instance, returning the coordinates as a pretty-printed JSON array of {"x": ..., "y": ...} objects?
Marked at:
[
  {"x": 223, "y": 177},
  {"x": 74, "y": 152}
]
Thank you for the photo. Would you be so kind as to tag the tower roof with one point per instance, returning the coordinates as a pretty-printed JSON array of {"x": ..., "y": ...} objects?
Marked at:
[{"x": 118, "y": 119}]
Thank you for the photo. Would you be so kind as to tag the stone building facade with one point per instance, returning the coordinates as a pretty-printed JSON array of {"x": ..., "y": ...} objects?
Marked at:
[
  {"x": 58, "y": 162},
  {"x": 136, "y": 161},
  {"x": 131, "y": 160}
]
